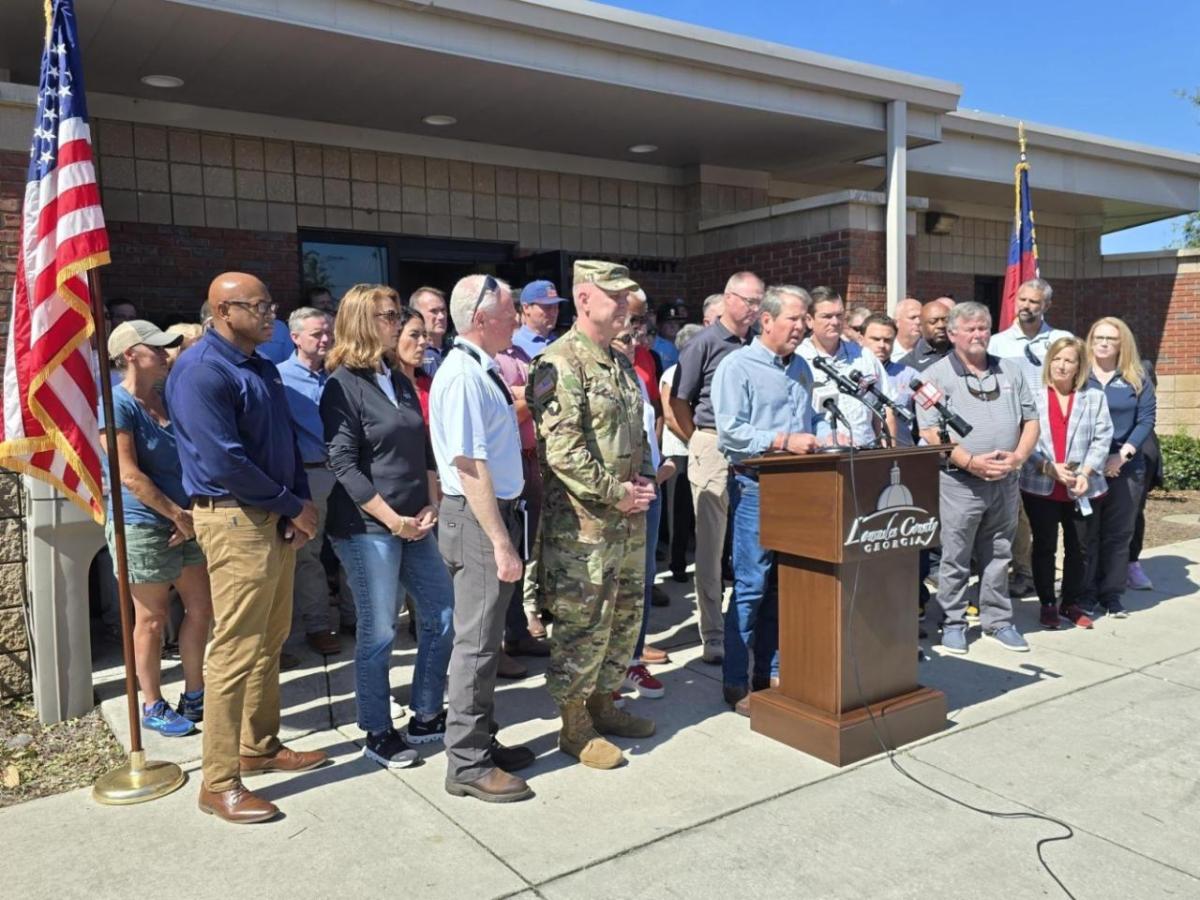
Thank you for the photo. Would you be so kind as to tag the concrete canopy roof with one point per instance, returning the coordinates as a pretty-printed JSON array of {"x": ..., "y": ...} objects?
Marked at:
[
  {"x": 563, "y": 77},
  {"x": 588, "y": 81}
]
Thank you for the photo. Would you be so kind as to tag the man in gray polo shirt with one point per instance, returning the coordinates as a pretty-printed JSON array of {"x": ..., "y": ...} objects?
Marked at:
[
  {"x": 979, "y": 494},
  {"x": 691, "y": 418}
]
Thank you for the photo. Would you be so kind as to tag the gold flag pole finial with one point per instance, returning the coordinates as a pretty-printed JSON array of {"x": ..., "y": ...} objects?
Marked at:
[
  {"x": 1021, "y": 138},
  {"x": 48, "y": 7}
]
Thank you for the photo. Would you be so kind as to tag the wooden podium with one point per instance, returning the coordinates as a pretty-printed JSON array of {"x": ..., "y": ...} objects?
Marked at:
[{"x": 847, "y": 540}]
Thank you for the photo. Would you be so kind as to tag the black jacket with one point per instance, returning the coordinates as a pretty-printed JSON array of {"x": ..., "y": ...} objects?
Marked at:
[{"x": 374, "y": 447}]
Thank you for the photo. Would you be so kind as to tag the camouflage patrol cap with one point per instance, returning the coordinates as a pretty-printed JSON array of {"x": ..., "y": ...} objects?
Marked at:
[{"x": 608, "y": 276}]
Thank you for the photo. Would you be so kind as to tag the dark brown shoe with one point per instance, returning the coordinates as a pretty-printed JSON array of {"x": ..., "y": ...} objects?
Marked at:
[
  {"x": 510, "y": 668},
  {"x": 283, "y": 760},
  {"x": 527, "y": 645},
  {"x": 327, "y": 643},
  {"x": 236, "y": 805},
  {"x": 497, "y": 786}
]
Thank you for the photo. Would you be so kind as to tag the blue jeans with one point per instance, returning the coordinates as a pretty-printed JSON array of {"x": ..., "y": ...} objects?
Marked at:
[
  {"x": 376, "y": 567},
  {"x": 752, "y": 619},
  {"x": 653, "y": 518}
]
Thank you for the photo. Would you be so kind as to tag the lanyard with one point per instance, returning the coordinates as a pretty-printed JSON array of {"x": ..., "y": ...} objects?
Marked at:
[{"x": 492, "y": 373}]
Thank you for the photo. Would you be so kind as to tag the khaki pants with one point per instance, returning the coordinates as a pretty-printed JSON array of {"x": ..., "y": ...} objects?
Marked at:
[
  {"x": 251, "y": 571},
  {"x": 708, "y": 472}
]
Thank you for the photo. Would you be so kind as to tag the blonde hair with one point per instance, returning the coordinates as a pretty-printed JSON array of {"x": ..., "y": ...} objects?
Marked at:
[
  {"x": 1129, "y": 361},
  {"x": 191, "y": 331},
  {"x": 356, "y": 342},
  {"x": 1081, "y": 369}
]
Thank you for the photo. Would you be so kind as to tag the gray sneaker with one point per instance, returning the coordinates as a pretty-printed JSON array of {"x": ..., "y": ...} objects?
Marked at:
[
  {"x": 954, "y": 639},
  {"x": 1009, "y": 638}
]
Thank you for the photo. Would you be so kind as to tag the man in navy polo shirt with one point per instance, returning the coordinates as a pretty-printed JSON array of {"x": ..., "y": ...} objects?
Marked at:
[
  {"x": 251, "y": 509},
  {"x": 539, "y": 315}
]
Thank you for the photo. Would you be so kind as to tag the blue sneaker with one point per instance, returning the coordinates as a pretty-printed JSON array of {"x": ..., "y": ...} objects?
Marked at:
[
  {"x": 166, "y": 721},
  {"x": 954, "y": 639},
  {"x": 191, "y": 705},
  {"x": 1009, "y": 638}
]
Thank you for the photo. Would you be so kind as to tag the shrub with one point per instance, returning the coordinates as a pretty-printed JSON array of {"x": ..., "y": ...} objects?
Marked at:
[{"x": 1181, "y": 462}]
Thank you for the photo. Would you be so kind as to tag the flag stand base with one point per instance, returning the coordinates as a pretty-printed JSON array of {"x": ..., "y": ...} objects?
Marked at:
[{"x": 138, "y": 781}]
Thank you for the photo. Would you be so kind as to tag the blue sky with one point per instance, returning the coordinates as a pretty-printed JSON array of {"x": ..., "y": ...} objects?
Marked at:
[{"x": 1104, "y": 67}]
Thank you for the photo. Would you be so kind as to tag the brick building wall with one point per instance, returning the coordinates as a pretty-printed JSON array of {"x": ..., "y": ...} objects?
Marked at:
[
  {"x": 13, "y": 169},
  {"x": 14, "y": 642},
  {"x": 166, "y": 269}
]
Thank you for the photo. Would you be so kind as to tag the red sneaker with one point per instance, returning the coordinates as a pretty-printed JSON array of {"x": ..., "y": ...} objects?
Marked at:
[
  {"x": 638, "y": 678},
  {"x": 1076, "y": 614},
  {"x": 1049, "y": 617}
]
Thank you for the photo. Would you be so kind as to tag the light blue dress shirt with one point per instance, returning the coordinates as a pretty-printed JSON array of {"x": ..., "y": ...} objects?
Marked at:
[
  {"x": 303, "y": 389},
  {"x": 470, "y": 416},
  {"x": 530, "y": 341},
  {"x": 280, "y": 346},
  {"x": 757, "y": 395}
]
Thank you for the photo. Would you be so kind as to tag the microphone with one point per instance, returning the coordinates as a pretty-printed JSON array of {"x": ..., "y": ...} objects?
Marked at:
[
  {"x": 844, "y": 384},
  {"x": 830, "y": 406},
  {"x": 868, "y": 387},
  {"x": 929, "y": 397}
]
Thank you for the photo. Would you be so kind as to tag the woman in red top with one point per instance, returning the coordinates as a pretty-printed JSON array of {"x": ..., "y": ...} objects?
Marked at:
[{"x": 1061, "y": 476}]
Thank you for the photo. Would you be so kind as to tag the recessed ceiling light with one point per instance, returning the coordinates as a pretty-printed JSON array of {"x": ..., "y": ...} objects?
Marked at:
[
  {"x": 162, "y": 81},
  {"x": 643, "y": 148},
  {"x": 440, "y": 121}
]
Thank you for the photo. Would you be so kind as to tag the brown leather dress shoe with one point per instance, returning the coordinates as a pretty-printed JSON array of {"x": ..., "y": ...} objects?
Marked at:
[
  {"x": 497, "y": 786},
  {"x": 236, "y": 805},
  {"x": 283, "y": 760},
  {"x": 327, "y": 643},
  {"x": 654, "y": 656},
  {"x": 510, "y": 668}
]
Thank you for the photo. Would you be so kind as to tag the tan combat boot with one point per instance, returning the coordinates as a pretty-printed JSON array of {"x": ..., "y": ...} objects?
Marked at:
[
  {"x": 578, "y": 738},
  {"x": 610, "y": 720}
]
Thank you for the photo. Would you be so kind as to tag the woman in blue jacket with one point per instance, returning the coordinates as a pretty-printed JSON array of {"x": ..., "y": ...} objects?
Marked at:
[{"x": 1116, "y": 368}]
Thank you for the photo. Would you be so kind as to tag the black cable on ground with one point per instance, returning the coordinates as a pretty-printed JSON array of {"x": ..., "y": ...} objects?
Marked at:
[{"x": 891, "y": 754}]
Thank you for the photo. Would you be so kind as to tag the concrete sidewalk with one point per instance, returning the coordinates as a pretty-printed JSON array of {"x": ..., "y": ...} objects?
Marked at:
[{"x": 1096, "y": 728}]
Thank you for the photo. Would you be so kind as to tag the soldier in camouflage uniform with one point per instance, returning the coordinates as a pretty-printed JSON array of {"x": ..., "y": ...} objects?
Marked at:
[{"x": 599, "y": 481}]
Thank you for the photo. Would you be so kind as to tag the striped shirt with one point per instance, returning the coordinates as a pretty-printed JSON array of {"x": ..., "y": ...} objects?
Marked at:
[{"x": 996, "y": 422}]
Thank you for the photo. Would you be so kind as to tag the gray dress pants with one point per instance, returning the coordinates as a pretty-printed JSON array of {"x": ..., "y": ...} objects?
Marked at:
[
  {"x": 480, "y": 603},
  {"x": 978, "y": 517}
]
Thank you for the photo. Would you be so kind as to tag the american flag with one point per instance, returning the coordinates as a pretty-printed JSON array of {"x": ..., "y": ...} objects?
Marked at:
[{"x": 49, "y": 424}]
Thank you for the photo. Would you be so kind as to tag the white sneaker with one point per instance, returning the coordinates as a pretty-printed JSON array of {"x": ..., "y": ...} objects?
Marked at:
[{"x": 714, "y": 652}]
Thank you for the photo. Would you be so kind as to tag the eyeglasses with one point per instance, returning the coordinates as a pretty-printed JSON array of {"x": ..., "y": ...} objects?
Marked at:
[
  {"x": 981, "y": 391},
  {"x": 637, "y": 320},
  {"x": 752, "y": 302},
  {"x": 858, "y": 329},
  {"x": 1105, "y": 339},
  {"x": 1031, "y": 356},
  {"x": 261, "y": 308},
  {"x": 391, "y": 316}
]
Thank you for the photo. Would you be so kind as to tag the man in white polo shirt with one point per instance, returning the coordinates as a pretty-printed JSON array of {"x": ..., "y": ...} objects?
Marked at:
[
  {"x": 1026, "y": 342},
  {"x": 825, "y": 318},
  {"x": 473, "y": 426}
]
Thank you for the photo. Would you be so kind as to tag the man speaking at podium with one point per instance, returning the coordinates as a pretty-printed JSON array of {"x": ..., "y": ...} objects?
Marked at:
[
  {"x": 978, "y": 492},
  {"x": 762, "y": 401}
]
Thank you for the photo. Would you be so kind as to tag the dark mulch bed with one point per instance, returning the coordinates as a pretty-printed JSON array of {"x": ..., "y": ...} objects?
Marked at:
[{"x": 37, "y": 761}]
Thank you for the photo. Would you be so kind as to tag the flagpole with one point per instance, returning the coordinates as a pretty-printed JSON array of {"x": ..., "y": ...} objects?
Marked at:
[{"x": 138, "y": 780}]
